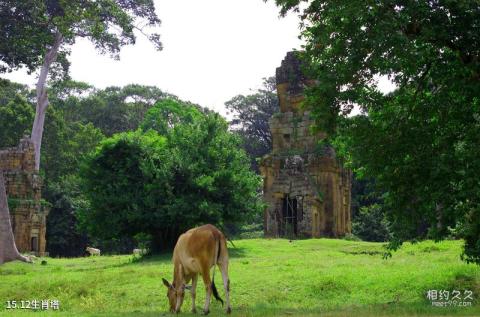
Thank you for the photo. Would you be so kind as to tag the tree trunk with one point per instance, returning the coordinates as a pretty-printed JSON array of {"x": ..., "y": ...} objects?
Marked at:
[
  {"x": 8, "y": 249},
  {"x": 42, "y": 98}
]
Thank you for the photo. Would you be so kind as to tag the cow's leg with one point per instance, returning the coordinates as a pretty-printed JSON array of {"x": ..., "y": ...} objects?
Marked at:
[
  {"x": 193, "y": 291},
  {"x": 208, "y": 287},
  {"x": 226, "y": 283}
]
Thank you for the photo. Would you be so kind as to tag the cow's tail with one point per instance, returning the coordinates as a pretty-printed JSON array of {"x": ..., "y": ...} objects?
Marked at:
[{"x": 214, "y": 288}]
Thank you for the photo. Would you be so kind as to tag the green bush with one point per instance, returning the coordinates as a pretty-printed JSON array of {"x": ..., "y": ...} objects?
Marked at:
[
  {"x": 370, "y": 224},
  {"x": 162, "y": 185}
]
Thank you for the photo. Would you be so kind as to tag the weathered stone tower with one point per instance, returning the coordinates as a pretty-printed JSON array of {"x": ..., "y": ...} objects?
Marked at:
[
  {"x": 23, "y": 185},
  {"x": 306, "y": 189}
]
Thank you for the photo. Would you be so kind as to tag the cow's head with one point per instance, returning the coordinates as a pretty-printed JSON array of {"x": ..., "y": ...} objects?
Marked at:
[{"x": 175, "y": 294}]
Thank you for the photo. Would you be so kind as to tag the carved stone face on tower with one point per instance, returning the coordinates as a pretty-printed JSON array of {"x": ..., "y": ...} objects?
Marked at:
[{"x": 294, "y": 164}]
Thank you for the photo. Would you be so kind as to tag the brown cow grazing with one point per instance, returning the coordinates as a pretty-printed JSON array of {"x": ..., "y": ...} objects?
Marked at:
[{"x": 196, "y": 251}]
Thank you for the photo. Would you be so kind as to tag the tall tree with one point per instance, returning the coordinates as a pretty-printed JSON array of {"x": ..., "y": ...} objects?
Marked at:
[
  {"x": 420, "y": 142},
  {"x": 250, "y": 119},
  {"x": 36, "y": 34}
]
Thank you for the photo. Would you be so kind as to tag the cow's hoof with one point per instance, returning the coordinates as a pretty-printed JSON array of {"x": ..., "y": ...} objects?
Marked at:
[
  {"x": 229, "y": 310},
  {"x": 206, "y": 312}
]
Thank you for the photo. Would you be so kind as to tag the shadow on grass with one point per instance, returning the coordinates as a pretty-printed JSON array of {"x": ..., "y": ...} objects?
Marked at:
[
  {"x": 236, "y": 252},
  {"x": 167, "y": 256},
  {"x": 130, "y": 261},
  {"x": 153, "y": 259}
]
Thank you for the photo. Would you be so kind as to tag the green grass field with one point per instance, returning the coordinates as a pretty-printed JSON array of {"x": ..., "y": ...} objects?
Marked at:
[{"x": 268, "y": 278}]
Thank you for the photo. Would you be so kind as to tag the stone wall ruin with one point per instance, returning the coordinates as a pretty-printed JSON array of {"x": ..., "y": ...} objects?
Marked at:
[
  {"x": 23, "y": 185},
  {"x": 307, "y": 191}
]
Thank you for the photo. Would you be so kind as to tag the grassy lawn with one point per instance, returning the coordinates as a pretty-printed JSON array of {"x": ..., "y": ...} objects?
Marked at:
[{"x": 268, "y": 278}]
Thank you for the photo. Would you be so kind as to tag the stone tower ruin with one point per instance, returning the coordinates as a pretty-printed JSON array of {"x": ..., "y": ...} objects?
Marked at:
[
  {"x": 23, "y": 185},
  {"x": 306, "y": 189}
]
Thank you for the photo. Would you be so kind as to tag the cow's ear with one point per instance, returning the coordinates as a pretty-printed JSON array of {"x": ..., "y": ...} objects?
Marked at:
[
  {"x": 165, "y": 282},
  {"x": 189, "y": 287}
]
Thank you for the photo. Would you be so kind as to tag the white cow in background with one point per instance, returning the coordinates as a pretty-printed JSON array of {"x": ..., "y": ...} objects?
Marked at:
[
  {"x": 93, "y": 251},
  {"x": 139, "y": 251}
]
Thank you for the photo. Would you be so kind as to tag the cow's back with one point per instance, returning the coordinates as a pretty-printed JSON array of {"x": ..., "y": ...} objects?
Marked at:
[{"x": 197, "y": 247}]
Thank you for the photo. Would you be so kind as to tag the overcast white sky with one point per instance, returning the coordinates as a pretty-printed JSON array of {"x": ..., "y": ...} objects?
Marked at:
[{"x": 213, "y": 50}]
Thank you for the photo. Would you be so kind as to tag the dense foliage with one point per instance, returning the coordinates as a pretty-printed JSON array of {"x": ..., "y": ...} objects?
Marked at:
[
  {"x": 63, "y": 235},
  {"x": 40, "y": 33},
  {"x": 369, "y": 222},
  {"x": 65, "y": 143},
  {"x": 162, "y": 184},
  {"x": 419, "y": 143},
  {"x": 250, "y": 119},
  {"x": 77, "y": 119},
  {"x": 16, "y": 117}
]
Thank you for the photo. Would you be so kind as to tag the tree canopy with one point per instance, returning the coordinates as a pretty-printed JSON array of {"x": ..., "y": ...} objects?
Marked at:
[
  {"x": 168, "y": 113},
  {"x": 250, "y": 119},
  {"x": 112, "y": 110},
  {"x": 28, "y": 28},
  {"x": 77, "y": 121},
  {"x": 419, "y": 143}
]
